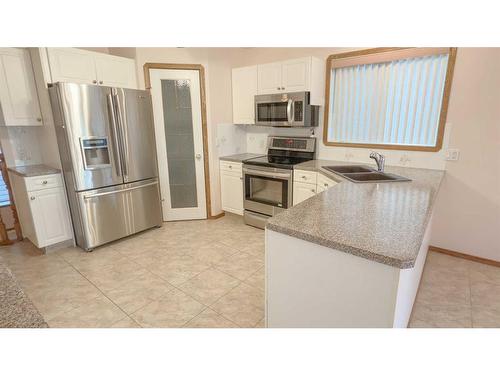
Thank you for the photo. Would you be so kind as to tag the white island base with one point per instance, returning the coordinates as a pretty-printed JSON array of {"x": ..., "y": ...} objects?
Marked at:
[{"x": 312, "y": 286}]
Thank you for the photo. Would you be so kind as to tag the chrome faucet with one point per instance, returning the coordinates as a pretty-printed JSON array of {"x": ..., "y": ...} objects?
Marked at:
[{"x": 379, "y": 159}]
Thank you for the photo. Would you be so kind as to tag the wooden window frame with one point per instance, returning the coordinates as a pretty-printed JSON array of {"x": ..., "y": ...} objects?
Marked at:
[{"x": 374, "y": 55}]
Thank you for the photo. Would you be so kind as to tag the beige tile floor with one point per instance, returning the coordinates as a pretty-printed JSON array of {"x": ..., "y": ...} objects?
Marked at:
[{"x": 211, "y": 274}]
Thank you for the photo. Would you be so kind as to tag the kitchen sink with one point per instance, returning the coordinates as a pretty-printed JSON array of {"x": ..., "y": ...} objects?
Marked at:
[
  {"x": 359, "y": 173},
  {"x": 349, "y": 169}
]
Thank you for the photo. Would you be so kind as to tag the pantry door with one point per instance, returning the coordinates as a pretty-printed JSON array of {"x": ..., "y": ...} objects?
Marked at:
[{"x": 177, "y": 107}]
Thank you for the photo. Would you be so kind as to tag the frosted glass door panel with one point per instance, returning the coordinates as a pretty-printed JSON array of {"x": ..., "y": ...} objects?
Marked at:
[
  {"x": 178, "y": 118},
  {"x": 177, "y": 109}
]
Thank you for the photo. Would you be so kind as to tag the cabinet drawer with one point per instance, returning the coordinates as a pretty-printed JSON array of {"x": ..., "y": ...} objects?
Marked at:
[
  {"x": 43, "y": 182},
  {"x": 230, "y": 166},
  {"x": 325, "y": 182},
  {"x": 304, "y": 176}
]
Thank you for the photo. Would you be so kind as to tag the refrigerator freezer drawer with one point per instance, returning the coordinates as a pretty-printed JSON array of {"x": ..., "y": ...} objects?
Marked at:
[{"x": 112, "y": 213}]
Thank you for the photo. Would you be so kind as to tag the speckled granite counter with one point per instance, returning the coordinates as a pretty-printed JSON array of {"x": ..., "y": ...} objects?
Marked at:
[
  {"x": 34, "y": 170},
  {"x": 384, "y": 222},
  {"x": 16, "y": 310},
  {"x": 240, "y": 157}
]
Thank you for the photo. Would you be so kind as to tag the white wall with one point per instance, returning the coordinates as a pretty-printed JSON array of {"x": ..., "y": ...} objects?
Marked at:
[{"x": 467, "y": 214}]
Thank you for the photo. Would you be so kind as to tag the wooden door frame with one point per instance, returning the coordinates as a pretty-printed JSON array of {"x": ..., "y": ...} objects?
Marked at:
[{"x": 201, "y": 71}]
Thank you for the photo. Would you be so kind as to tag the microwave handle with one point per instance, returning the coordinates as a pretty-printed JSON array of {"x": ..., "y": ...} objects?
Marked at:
[{"x": 290, "y": 111}]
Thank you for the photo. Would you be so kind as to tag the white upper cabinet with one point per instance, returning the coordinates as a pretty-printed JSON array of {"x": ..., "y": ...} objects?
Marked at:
[
  {"x": 115, "y": 71},
  {"x": 270, "y": 78},
  {"x": 19, "y": 104},
  {"x": 80, "y": 66},
  {"x": 72, "y": 65},
  {"x": 244, "y": 88},
  {"x": 304, "y": 74},
  {"x": 295, "y": 75}
]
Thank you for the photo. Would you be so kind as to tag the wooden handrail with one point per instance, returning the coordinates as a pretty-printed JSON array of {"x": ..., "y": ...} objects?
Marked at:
[{"x": 4, "y": 238}]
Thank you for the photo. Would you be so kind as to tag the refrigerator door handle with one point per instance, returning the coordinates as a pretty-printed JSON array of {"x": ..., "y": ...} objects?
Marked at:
[
  {"x": 123, "y": 134},
  {"x": 96, "y": 195},
  {"x": 116, "y": 143}
]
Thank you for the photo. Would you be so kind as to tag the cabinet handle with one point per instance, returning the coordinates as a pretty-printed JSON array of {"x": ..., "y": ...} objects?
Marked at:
[
  {"x": 326, "y": 185},
  {"x": 279, "y": 88},
  {"x": 100, "y": 82},
  {"x": 230, "y": 167},
  {"x": 241, "y": 178},
  {"x": 94, "y": 81},
  {"x": 32, "y": 198},
  {"x": 282, "y": 88},
  {"x": 39, "y": 119},
  {"x": 44, "y": 182},
  {"x": 304, "y": 177},
  {"x": 312, "y": 190}
]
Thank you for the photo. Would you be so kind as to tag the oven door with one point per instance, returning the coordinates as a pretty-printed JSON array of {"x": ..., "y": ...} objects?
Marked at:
[{"x": 267, "y": 190}]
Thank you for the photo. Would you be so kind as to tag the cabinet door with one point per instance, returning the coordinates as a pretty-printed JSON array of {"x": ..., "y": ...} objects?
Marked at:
[
  {"x": 18, "y": 96},
  {"x": 296, "y": 75},
  {"x": 269, "y": 78},
  {"x": 324, "y": 183},
  {"x": 115, "y": 71},
  {"x": 72, "y": 65},
  {"x": 302, "y": 191},
  {"x": 50, "y": 216},
  {"x": 232, "y": 192},
  {"x": 244, "y": 87}
]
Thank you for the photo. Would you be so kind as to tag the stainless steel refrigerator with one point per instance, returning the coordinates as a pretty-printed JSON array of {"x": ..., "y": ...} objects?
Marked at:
[{"x": 108, "y": 155}]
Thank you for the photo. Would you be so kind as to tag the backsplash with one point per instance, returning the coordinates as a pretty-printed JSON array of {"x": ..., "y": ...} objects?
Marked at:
[
  {"x": 21, "y": 145},
  {"x": 235, "y": 139}
]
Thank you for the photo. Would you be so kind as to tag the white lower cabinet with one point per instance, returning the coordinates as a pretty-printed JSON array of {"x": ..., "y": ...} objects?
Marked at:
[
  {"x": 302, "y": 191},
  {"x": 43, "y": 209},
  {"x": 307, "y": 184},
  {"x": 231, "y": 186}
]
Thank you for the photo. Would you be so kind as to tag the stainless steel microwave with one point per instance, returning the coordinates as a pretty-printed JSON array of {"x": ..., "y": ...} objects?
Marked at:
[{"x": 287, "y": 110}]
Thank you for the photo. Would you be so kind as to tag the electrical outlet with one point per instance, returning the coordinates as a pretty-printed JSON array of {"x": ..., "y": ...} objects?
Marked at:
[
  {"x": 452, "y": 154},
  {"x": 348, "y": 155},
  {"x": 405, "y": 159}
]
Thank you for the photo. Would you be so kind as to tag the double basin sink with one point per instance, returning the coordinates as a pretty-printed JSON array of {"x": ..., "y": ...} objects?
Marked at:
[{"x": 360, "y": 173}]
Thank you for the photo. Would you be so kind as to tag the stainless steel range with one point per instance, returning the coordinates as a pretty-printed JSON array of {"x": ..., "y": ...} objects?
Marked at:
[{"x": 267, "y": 180}]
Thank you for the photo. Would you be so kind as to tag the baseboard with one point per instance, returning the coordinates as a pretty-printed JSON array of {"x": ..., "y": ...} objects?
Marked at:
[
  {"x": 217, "y": 216},
  {"x": 465, "y": 256}
]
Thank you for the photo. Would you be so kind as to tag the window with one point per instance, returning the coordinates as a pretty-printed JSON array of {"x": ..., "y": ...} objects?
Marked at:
[{"x": 393, "y": 98}]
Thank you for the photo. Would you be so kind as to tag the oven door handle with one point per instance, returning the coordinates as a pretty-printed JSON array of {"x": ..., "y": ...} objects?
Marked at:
[
  {"x": 278, "y": 175},
  {"x": 289, "y": 111}
]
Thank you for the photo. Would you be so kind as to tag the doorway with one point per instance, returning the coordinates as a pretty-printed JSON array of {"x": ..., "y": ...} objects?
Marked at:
[{"x": 177, "y": 92}]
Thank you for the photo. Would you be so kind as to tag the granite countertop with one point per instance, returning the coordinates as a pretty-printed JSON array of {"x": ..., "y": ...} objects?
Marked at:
[
  {"x": 34, "y": 170},
  {"x": 383, "y": 222},
  {"x": 16, "y": 309},
  {"x": 240, "y": 157}
]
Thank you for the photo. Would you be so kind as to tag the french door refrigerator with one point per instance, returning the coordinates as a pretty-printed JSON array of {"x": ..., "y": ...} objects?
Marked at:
[{"x": 108, "y": 155}]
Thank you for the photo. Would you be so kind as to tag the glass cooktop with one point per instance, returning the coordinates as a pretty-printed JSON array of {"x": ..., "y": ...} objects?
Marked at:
[{"x": 285, "y": 162}]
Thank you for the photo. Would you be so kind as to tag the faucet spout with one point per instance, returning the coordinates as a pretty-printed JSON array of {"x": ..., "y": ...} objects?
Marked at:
[{"x": 379, "y": 159}]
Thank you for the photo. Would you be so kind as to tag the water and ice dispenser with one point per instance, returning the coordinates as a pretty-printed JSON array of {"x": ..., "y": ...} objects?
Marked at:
[{"x": 95, "y": 152}]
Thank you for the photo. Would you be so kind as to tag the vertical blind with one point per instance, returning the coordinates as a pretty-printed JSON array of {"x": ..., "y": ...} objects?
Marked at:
[{"x": 392, "y": 103}]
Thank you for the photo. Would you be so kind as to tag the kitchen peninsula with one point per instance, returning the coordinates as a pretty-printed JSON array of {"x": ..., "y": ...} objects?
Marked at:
[{"x": 351, "y": 256}]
